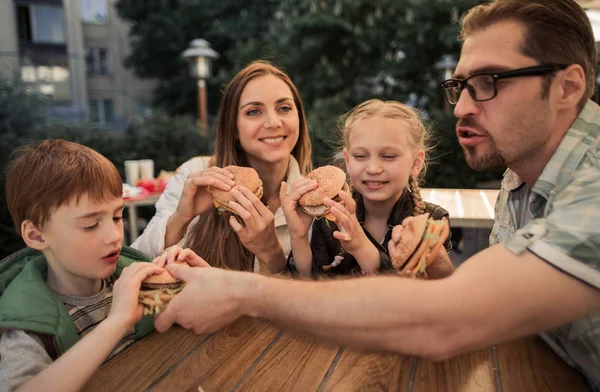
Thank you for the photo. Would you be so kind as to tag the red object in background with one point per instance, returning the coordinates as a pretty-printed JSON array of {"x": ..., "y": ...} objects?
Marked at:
[
  {"x": 138, "y": 196},
  {"x": 156, "y": 185}
]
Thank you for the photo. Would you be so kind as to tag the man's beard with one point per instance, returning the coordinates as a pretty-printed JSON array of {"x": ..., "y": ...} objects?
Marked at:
[{"x": 492, "y": 160}]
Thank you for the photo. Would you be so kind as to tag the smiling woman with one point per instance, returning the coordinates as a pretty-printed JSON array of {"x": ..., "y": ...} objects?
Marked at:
[{"x": 261, "y": 124}]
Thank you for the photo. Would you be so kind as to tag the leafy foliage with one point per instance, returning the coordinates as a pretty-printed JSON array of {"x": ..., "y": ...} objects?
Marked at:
[
  {"x": 338, "y": 52},
  {"x": 169, "y": 141}
]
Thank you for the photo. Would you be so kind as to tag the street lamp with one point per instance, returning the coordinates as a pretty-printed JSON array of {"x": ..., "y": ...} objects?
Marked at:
[
  {"x": 446, "y": 67},
  {"x": 199, "y": 56}
]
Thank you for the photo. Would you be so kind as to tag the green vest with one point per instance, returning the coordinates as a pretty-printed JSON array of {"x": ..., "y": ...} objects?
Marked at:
[{"x": 27, "y": 303}]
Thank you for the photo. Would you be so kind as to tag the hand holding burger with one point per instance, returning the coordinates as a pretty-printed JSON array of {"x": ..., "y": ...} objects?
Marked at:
[
  {"x": 420, "y": 242},
  {"x": 242, "y": 176},
  {"x": 330, "y": 181},
  {"x": 158, "y": 290}
]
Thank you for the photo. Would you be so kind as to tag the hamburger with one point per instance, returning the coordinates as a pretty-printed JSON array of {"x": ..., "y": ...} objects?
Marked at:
[
  {"x": 242, "y": 176},
  {"x": 158, "y": 290},
  {"x": 331, "y": 180},
  {"x": 421, "y": 241}
]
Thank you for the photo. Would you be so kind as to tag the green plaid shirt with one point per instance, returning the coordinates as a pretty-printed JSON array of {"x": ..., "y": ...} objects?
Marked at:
[{"x": 559, "y": 221}]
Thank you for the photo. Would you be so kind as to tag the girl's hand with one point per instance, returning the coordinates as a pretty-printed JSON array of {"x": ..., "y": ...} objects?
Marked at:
[
  {"x": 298, "y": 221},
  {"x": 438, "y": 268},
  {"x": 125, "y": 308},
  {"x": 175, "y": 253},
  {"x": 351, "y": 234},
  {"x": 195, "y": 198}
]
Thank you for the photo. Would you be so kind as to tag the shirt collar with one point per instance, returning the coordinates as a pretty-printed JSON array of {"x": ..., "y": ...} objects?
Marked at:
[
  {"x": 571, "y": 150},
  {"x": 567, "y": 156}
]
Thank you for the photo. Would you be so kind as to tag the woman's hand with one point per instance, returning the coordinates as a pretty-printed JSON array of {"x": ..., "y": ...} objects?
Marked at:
[
  {"x": 257, "y": 228},
  {"x": 298, "y": 221},
  {"x": 195, "y": 198}
]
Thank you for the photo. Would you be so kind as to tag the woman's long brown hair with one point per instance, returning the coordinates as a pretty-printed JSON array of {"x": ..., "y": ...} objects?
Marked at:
[{"x": 213, "y": 238}]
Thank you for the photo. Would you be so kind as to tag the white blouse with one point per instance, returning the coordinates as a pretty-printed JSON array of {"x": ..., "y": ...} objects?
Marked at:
[{"x": 152, "y": 240}]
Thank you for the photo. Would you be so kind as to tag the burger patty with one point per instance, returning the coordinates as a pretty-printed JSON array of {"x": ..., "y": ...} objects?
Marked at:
[{"x": 158, "y": 286}]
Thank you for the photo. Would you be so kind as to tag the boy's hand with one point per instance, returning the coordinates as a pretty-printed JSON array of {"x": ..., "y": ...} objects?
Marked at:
[
  {"x": 175, "y": 253},
  {"x": 125, "y": 308},
  {"x": 297, "y": 221}
]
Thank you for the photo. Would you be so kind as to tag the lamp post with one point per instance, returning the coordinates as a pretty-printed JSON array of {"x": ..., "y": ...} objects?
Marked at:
[
  {"x": 199, "y": 56},
  {"x": 446, "y": 67}
]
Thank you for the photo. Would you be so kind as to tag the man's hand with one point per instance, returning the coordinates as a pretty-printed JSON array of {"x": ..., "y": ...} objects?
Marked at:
[{"x": 211, "y": 298}]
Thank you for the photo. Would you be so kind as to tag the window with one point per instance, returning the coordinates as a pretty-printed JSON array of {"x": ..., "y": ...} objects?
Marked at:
[
  {"x": 49, "y": 79},
  {"x": 94, "y": 11},
  {"x": 41, "y": 24},
  {"x": 101, "y": 111},
  {"x": 143, "y": 109},
  {"x": 96, "y": 61}
]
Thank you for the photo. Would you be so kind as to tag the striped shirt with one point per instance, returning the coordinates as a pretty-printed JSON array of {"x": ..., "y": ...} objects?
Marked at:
[
  {"x": 23, "y": 354},
  {"x": 87, "y": 312},
  {"x": 558, "y": 220}
]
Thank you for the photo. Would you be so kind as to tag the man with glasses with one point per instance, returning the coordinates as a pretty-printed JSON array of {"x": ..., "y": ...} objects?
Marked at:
[{"x": 521, "y": 90}]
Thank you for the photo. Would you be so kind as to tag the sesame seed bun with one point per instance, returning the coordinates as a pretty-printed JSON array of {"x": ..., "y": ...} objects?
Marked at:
[
  {"x": 157, "y": 291},
  {"x": 243, "y": 176},
  {"x": 421, "y": 240},
  {"x": 331, "y": 180}
]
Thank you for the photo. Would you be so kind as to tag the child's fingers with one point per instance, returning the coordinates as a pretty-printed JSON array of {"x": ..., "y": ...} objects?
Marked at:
[
  {"x": 190, "y": 257},
  {"x": 160, "y": 260},
  {"x": 301, "y": 187},
  {"x": 342, "y": 216},
  {"x": 143, "y": 273},
  {"x": 392, "y": 248},
  {"x": 342, "y": 236},
  {"x": 139, "y": 269},
  {"x": 397, "y": 233},
  {"x": 172, "y": 253},
  {"x": 350, "y": 203},
  {"x": 339, "y": 206}
]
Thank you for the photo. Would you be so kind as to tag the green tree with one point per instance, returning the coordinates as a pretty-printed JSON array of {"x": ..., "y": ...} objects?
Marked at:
[
  {"x": 22, "y": 114},
  {"x": 338, "y": 52},
  {"x": 161, "y": 30}
]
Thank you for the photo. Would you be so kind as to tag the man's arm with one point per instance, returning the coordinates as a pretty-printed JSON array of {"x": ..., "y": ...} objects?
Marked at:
[{"x": 494, "y": 296}]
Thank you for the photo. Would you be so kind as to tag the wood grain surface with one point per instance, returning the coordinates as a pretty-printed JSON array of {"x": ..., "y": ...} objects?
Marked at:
[{"x": 252, "y": 355}]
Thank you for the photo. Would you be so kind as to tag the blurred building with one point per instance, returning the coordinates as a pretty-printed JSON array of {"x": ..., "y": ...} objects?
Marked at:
[{"x": 73, "y": 50}]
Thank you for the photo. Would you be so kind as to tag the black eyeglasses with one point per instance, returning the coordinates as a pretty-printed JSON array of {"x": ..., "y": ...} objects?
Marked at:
[{"x": 482, "y": 86}]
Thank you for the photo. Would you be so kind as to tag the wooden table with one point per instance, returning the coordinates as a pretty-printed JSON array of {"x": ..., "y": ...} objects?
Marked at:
[
  {"x": 471, "y": 208},
  {"x": 252, "y": 355}
]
